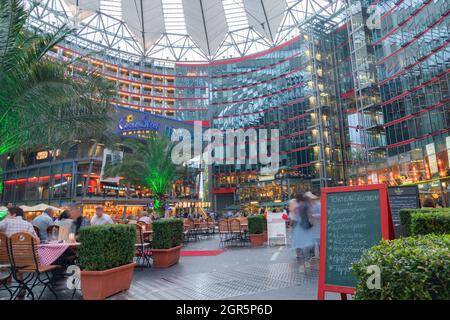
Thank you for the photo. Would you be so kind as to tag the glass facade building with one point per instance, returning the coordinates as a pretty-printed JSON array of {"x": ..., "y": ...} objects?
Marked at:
[
  {"x": 360, "y": 101},
  {"x": 404, "y": 125}
]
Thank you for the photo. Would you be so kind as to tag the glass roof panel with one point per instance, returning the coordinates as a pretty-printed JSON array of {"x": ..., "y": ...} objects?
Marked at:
[{"x": 156, "y": 29}]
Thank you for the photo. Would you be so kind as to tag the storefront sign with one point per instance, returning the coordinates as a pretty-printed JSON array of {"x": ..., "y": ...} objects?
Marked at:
[
  {"x": 266, "y": 178},
  {"x": 276, "y": 228},
  {"x": 129, "y": 123},
  {"x": 353, "y": 219},
  {"x": 43, "y": 155}
]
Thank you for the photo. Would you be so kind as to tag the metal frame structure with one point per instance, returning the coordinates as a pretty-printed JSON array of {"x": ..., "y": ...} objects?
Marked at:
[{"x": 100, "y": 31}]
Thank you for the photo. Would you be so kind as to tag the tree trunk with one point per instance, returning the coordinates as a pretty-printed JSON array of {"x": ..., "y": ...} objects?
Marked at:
[{"x": 161, "y": 198}]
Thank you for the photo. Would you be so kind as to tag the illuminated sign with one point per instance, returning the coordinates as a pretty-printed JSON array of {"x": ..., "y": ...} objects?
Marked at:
[
  {"x": 130, "y": 123},
  {"x": 43, "y": 155}
]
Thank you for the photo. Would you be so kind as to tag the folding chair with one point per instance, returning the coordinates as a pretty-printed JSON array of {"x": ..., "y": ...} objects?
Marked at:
[
  {"x": 27, "y": 270},
  {"x": 38, "y": 231},
  {"x": 5, "y": 266},
  {"x": 143, "y": 252},
  {"x": 236, "y": 232},
  {"x": 224, "y": 232}
]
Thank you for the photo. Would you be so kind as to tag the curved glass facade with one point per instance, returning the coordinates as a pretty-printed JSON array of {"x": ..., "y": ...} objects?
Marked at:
[{"x": 354, "y": 106}]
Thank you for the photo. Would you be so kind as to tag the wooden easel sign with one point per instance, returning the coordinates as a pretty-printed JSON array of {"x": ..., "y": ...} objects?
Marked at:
[{"x": 353, "y": 219}]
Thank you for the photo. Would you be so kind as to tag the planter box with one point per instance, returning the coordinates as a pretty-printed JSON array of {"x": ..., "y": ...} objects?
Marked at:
[
  {"x": 164, "y": 258},
  {"x": 257, "y": 240},
  {"x": 98, "y": 285},
  {"x": 265, "y": 235}
]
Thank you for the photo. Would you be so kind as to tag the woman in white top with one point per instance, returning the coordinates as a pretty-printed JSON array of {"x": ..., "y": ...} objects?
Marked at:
[{"x": 64, "y": 219}]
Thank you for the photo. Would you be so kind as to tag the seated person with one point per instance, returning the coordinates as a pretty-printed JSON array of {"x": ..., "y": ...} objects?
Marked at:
[
  {"x": 78, "y": 220},
  {"x": 43, "y": 221},
  {"x": 100, "y": 218},
  {"x": 64, "y": 219},
  {"x": 145, "y": 218},
  {"x": 14, "y": 223},
  {"x": 131, "y": 219}
]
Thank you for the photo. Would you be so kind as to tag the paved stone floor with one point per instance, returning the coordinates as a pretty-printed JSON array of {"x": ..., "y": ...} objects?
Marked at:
[{"x": 267, "y": 273}]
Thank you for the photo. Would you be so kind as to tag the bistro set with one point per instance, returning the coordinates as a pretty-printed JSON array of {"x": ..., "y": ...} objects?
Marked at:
[
  {"x": 30, "y": 264},
  {"x": 195, "y": 229},
  {"x": 233, "y": 231},
  {"x": 27, "y": 264}
]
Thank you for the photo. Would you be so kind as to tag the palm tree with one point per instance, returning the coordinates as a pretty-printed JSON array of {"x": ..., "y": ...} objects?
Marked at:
[
  {"x": 41, "y": 103},
  {"x": 149, "y": 164}
]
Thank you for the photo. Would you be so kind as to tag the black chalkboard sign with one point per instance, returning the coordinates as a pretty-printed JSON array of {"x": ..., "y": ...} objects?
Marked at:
[
  {"x": 404, "y": 197},
  {"x": 353, "y": 220}
]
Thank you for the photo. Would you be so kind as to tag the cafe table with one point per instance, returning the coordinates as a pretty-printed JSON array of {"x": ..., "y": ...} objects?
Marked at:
[{"x": 48, "y": 253}]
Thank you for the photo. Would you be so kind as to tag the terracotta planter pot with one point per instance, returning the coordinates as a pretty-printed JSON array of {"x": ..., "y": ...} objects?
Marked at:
[
  {"x": 98, "y": 285},
  {"x": 164, "y": 258},
  {"x": 257, "y": 240}
]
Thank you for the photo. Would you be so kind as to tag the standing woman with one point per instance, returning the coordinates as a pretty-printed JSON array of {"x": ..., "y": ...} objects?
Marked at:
[
  {"x": 303, "y": 234},
  {"x": 294, "y": 218}
]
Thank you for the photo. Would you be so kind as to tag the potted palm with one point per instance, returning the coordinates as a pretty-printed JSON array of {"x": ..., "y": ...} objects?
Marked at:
[
  {"x": 167, "y": 239},
  {"x": 148, "y": 163},
  {"x": 106, "y": 260},
  {"x": 256, "y": 230}
]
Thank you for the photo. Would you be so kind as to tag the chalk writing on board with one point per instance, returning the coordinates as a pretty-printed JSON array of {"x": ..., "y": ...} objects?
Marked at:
[{"x": 353, "y": 225}]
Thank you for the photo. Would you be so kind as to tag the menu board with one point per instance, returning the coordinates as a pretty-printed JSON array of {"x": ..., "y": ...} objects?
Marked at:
[
  {"x": 405, "y": 197},
  {"x": 353, "y": 219},
  {"x": 276, "y": 228}
]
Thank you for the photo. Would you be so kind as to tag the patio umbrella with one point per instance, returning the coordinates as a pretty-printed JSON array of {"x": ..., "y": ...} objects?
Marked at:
[
  {"x": 25, "y": 208},
  {"x": 42, "y": 207}
]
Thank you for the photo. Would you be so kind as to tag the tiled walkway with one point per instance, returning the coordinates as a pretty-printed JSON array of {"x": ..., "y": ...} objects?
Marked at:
[{"x": 267, "y": 273}]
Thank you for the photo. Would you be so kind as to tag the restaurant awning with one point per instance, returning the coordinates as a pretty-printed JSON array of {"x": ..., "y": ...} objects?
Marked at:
[{"x": 39, "y": 207}]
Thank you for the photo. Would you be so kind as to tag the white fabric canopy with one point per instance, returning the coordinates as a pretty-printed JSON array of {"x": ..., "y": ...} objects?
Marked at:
[{"x": 39, "y": 207}]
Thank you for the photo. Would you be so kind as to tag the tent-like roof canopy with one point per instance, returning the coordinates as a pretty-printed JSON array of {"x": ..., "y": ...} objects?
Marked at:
[{"x": 186, "y": 30}]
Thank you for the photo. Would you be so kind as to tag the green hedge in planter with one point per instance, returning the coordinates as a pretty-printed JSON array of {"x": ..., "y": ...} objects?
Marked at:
[
  {"x": 433, "y": 222},
  {"x": 106, "y": 247},
  {"x": 413, "y": 268},
  {"x": 167, "y": 233},
  {"x": 406, "y": 217},
  {"x": 256, "y": 224}
]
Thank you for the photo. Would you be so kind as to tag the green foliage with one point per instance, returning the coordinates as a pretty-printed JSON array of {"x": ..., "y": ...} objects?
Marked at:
[
  {"x": 106, "y": 247},
  {"x": 149, "y": 163},
  {"x": 413, "y": 268},
  {"x": 406, "y": 217},
  {"x": 41, "y": 103},
  {"x": 256, "y": 224},
  {"x": 167, "y": 233},
  {"x": 432, "y": 222}
]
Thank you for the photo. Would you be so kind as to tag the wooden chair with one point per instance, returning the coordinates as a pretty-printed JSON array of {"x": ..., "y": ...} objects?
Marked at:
[
  {"x": 211, "y": 226},
  {"x": 38, "y": 231},
  {"x": 224, "y": 231},
  {"x": 26, "y": 267},
  {"x": 143, "y": 252},
  {"x": 5, "y": 266},
  {"x": 235, "y": 229}
]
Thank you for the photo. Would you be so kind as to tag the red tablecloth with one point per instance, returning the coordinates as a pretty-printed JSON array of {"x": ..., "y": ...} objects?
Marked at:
[{"x": 50, "y": 252}]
